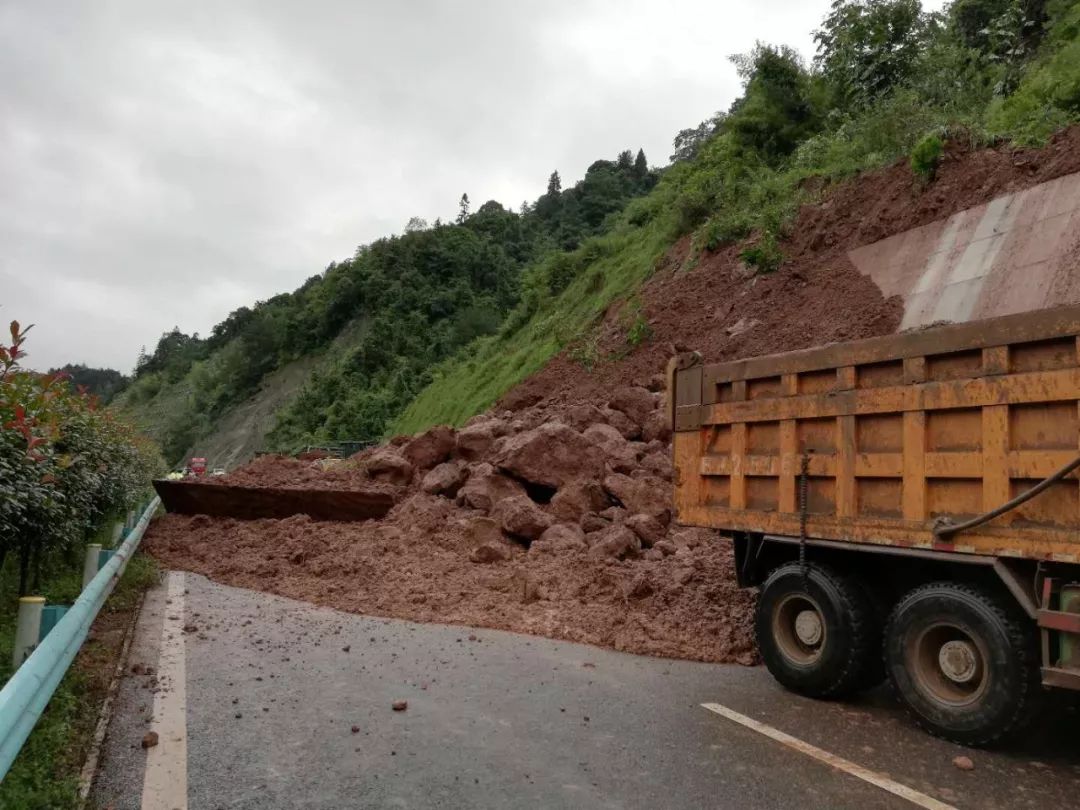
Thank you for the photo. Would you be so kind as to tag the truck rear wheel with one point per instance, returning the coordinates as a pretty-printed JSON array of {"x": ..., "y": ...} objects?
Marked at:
[
  {"x": 962, "y": 663},
  {"x": 818, "y": 634}
]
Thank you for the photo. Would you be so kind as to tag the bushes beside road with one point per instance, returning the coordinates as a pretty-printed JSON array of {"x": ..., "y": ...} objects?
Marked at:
[{"x": 67, "y": 467}]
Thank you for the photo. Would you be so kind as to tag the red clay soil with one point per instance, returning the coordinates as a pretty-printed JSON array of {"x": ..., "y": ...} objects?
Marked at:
[
  {"x": 552, "y": 515},
  {"x": 817, "y": 296},
  {"x": 684, "y": 606},
  {"x": 283, "y": 471}
]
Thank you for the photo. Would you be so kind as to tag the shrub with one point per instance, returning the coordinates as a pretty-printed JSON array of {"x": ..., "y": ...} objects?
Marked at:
[
  {"x": 66, "y": 466},
  {"x": 764, "y": 255},
  {"x": 926, "y": 156}
]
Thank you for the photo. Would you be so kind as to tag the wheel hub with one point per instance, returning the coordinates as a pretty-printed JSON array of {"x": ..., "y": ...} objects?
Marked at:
[
  {"x": 958, "y": 660},
  {"x": 808, "y": 627}
]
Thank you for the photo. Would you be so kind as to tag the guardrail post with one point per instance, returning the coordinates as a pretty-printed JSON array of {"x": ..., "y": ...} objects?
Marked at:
[
  {"x": 27, "y": 629},
  {"x": 117, "y": 532},
  {"x": 50, "y": 615},
  {"x": 90, "y": 563},
  {"x": 104, "y": 555}
]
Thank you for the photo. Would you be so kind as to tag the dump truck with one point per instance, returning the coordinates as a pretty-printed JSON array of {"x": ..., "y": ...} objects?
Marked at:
[{"x": 908, "y": 507}]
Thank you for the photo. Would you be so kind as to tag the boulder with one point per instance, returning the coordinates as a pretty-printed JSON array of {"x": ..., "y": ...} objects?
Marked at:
[
  {"x": 647, "y": 495},
  {"x": 576, "y": 498},
  {"x": 618, "y": 453},
  {"x": 474, "y": 441},
  {"x": 691, "y": 536},
  {"x": 518, "y": 515},
  {"x": 656, "y": 427},
  {"x": 637, "y": 403},
  {"x": 581, "y": 416},
  {"x": 615, "y": 514},
  {"x": 622, "y": 423},
  {"x": 647, "y": 528},
  {"x": 476, "y": 531},
  {"x": 486, "y": 487},
  {"x": 446, "y": 478},
  {"x": 665, "y": 547},
  {"x": 657, "y": 382},
  {"x": 559, "y": 539},
  {"x": 616, "y": 542},
  {"x": 551, "y": 455},
  {"x": 592, "y": 522},
  {"x": 488, "y": 553},
  {"x": 429, "y": 448},
  {"x": 387, "y": 464},
  {"x": 659, "y": 464}
]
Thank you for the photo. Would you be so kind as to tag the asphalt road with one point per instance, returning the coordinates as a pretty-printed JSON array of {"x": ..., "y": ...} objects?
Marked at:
[{"x": 286, "y": 705}]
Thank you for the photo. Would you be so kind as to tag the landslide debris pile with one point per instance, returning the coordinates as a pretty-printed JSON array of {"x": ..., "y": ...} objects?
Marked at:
[{"x": 548, "y": 521}]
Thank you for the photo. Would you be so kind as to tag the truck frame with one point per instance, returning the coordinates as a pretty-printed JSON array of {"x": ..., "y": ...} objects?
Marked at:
[{"x": 909, "y": 507}]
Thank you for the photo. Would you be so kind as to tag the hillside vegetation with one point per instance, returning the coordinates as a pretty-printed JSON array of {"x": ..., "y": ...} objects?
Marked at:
[
  {"x": 459, "y": 313},
  {"x": 888, "y": 82}
]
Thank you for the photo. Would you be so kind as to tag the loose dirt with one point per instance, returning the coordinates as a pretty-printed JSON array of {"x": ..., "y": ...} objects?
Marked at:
[
  {"x": 686, "y": 606},
  {"x": 551, "y": 514}
]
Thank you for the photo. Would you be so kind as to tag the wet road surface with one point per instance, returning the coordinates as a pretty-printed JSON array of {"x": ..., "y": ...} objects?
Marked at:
[{"x": 264, "y": 702}]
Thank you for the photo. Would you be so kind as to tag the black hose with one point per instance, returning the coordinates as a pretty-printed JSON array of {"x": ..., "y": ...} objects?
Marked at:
[{"x": 946, "y": 529}]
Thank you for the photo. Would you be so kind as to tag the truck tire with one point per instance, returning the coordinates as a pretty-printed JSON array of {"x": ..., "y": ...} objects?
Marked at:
[
  {"x": 818, "y": 634},
  {"x": 962, "y": 663}
]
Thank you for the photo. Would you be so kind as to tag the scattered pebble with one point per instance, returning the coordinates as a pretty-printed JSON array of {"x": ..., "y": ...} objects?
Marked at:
[
  {"x": 963, "y": 763},
  {"x": 150, "y": 739},
  {"x": 399, "y": 705}
]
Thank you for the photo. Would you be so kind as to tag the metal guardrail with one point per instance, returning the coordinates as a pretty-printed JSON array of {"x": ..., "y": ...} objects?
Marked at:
[{"x": 26, "y": 695}]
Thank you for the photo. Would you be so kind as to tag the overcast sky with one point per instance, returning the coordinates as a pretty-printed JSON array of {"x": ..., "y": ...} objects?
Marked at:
[{"x": 162, "y": 163}]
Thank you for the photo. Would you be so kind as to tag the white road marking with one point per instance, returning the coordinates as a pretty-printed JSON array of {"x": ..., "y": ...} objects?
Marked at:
[
  {"x": 876, "y": 779},
  {"x": 165, "y": 783}
]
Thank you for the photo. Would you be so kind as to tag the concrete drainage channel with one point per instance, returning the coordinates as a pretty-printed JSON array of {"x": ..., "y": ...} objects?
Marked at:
[{"x": 47, "y": 641}]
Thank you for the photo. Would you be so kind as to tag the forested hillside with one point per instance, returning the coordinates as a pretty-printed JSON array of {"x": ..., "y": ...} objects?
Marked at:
[
  {"x": 446, "y": 318},
  {"x": 400, "y": 305}
]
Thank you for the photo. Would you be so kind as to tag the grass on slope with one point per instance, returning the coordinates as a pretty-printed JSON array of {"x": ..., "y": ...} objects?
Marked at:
[{"x": 614, "y": 266}]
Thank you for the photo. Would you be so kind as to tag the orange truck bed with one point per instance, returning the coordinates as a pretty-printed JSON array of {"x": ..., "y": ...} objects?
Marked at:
[{"x": 896, "y": 432}]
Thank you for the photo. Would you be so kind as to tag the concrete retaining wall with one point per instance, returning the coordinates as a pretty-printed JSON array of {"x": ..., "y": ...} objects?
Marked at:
[{"x": 1017, "y": 253}]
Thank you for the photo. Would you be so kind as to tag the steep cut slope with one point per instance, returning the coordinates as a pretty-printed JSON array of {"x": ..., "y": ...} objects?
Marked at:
[{"x": 713, "y": 302}]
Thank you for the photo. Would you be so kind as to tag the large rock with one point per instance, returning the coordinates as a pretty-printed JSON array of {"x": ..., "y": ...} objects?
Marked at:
[
  {"x": 519, "y": 516},
  {"x": 659, "y": 464},
  {"x": 647, "y": 528},
  {"x": 617, "y": 542},
  {"x": 637, "y": 403},
  {"x": 488, "y": 553},
  {"x": 656, "y": 427},
  {"x": 592, "y": 522},
  {"x": 581, "y": 416},
  {"x": 622, "y": 423},
  {"x": 577, "y": 498},
  {"x": 559, "y": 539},
  {"x": 446, "y": 478},
  {"x": 477, "y": 531},
  {"x": 474, "y": 441},
  {"x": 619, "y": 455},
  {"x": 429, "y": 448},
  {"x": 486, "y": 487},
  {"x": 387, "y": 464},
  {"x": 551, "y": 455},
  {"x": 646, "y": 495}
]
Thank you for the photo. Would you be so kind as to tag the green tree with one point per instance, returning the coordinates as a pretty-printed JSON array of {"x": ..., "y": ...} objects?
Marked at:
[
  {"x": 463, "y": 209},
  {"x": 776, "y": 111},
  {"x": 867, "y": 48}
]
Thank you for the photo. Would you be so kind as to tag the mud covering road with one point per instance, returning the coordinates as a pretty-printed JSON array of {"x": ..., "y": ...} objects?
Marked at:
[{"x": 274, "y": 689}]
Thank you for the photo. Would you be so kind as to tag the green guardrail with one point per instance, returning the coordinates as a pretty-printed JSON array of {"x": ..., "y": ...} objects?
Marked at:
[{"x": 26, "y": 695}]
